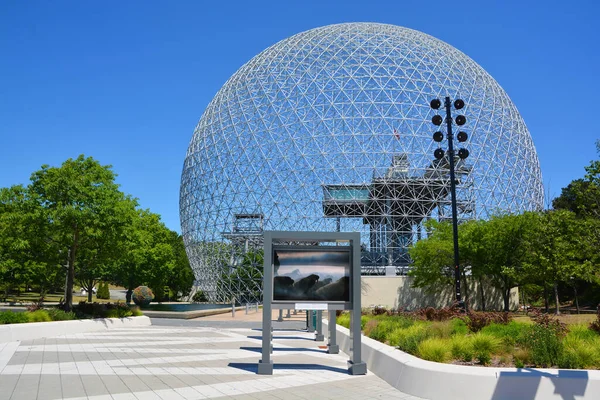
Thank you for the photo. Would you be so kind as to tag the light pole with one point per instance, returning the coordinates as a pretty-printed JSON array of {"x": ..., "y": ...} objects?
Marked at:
[{"x": 462, "y": 154}]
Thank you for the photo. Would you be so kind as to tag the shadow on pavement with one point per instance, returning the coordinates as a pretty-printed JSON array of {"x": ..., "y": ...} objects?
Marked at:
[
  {"x": 298, "y": 349},
  {"x": 253, "y": 367}
]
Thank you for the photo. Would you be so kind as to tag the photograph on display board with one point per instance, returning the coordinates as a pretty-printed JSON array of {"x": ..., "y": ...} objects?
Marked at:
[{"x": 315, "y": 275}]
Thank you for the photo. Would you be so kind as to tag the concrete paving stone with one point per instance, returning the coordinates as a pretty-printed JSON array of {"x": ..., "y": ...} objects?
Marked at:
[
  {"x": 72, "y": 386},
  {"x": 7, "y": 383},
  {"x": 26, "y": 387},
  {"x": 114, "y": 384},
  {"x": 94, "y": 386},
  {"x": 50, "y": 387}
]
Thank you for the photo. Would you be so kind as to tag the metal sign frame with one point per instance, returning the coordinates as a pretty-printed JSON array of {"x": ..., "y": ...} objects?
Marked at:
[{"x": 355, "y": 365}]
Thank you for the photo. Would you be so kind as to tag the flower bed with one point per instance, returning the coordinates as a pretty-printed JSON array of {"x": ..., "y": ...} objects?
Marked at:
[
  {"x": 484, "y": 338},
  {"x": 83, "y": 310}
]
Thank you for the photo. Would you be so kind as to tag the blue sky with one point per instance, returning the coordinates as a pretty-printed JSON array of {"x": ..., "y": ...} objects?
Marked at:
[{"x": 126, "y": 82}]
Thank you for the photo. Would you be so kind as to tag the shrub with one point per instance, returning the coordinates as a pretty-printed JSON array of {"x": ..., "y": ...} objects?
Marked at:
[
  {"x": 369, "y": 326},
  {"x": 103, "y": 291},
  {"x": 440, "y": 329},
  {"x": 106, "y": 310},
  {"x": 595, "y": 325},
  {"x": 379, "y": 310},
  {"x": 477, "y": 320},
  {"x": 344, "y": 320},
  {"x": 521, "y": 357},
  {"x": 582, "y": 332},
  {"x": 434, "y": 349},
  {"x": 386, "y": 325},
  {"x": 9, "y": 317},
  {"x": 578, "y": 353},
  {"x": 114, "y": 313},
  {"x": 142, "y": 295},
  {"x": 484, "y": 346},
  {"x": 461, "y": 348},
  {"x": 439, "y": 314},
  {"x": 408, "y": 339},
  {"x": 60, "y": 315},
  {"x": 38, "y": 316},
  {"x": 459, "y": 327},
  {"x": 37, "y": 305},
  {"x": 135, "y": 311},
  {"x": 545, "y": 344},
  {"x": 199, "y": 297}
]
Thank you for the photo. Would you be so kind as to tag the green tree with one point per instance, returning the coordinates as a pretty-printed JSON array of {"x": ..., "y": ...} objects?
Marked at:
[
  {"x": 148, "y": 258},
  {"x": 433, "y": 257},
  {"x": 28, "y": 253},
  {"x": 558, "y": 251},
  {"x": 181, "y": 279},
  {"x": 83, "y": 208}
]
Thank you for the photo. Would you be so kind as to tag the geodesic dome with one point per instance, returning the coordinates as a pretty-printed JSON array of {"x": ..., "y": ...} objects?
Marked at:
[{"x": 330, "y": 130}]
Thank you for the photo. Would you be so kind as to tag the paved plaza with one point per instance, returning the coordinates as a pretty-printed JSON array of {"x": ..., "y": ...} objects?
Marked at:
[{"x": 175, "y": 359}]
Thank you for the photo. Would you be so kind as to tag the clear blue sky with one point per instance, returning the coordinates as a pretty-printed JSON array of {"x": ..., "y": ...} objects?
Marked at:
[{"x": 127, "y": 81}]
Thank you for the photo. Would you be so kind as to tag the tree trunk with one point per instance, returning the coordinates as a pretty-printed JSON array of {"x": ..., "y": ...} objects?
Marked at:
[
  {"x": 90, "y": 291},
  {"x": 546, "y": 302},
  {"x": 556, "y": 299},
  {"x": 576, "y": 299},
  {"x": 71, "y": 271},
  {"x": 482, "y": 292},
  {"x": 129, "y": 293},
  {"x": 506, "y": 299}
]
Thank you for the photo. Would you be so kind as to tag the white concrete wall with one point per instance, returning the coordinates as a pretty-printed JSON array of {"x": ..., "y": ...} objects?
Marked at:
[
  {"x": 36, "y": 330},
  {"x": 396, "y": 291}
]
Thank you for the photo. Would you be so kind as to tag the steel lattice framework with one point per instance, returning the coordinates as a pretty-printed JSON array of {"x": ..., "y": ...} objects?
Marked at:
[{"x": 330, "y": 130}]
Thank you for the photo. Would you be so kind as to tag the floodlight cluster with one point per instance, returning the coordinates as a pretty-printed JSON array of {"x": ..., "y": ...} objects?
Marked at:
[{"x": 330, "y": 130}]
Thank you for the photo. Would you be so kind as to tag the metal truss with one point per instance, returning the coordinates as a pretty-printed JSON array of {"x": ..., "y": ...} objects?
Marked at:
[{"x": 330, "y": 130}]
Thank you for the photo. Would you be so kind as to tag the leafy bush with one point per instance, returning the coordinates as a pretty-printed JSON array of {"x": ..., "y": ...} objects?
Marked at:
[
  {"x": 9, "y": 317},
  {"x": 545, "y": 344},
  {"x": 484, "y": 346},
  {"x": 461, "y": 348},
  {"x": 199, "y": 297},
  {"x": 136, "y": 312},
  {"x": 142, "y": 295},
  {"x": 386, "y": 325},
  {"x": 102, "y": 310},
  {"x": 595, "y": 325},
  {"x": 344, "y": 320},
  {"x": 378, "y": 310},
  {"x": 477, "y": 320},
  {"x": 39, "y": 316},
  {"x": 521, "y": 357},
  {"x": 440, "y": 329},
  {"x": 459, "y": 327},
  {"x": 438, "y": 314},
  {"x": 60, "y": 315},
  {"x": 434, "y": 349},
  {"x": 103, "y": 291},
  {"x": 408, "y": 339},
  {"x": 578, "y": 353}
]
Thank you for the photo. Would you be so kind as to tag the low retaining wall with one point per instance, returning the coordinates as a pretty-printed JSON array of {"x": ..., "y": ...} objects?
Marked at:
[
  {"x": 437, "y": 381},
  {"x": 37, "y": 330},
  {"x": 190, "y": 314}
]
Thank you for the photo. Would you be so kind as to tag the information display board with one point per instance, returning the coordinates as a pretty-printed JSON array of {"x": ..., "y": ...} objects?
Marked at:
[{"x": 311, "y": 274}]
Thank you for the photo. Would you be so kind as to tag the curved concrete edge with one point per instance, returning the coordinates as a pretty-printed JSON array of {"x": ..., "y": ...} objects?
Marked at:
[
  {"x": 437, "y": 381},
  {"x": 189, "y": 314},
  {"x": 37, "y": 330}
]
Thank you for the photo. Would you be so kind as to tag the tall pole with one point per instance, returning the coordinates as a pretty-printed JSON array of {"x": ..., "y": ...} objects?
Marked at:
[{"x": 448, "y": 106}]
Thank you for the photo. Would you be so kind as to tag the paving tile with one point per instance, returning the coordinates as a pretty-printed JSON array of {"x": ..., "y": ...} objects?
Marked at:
[{"x": 179, "y": 362}]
